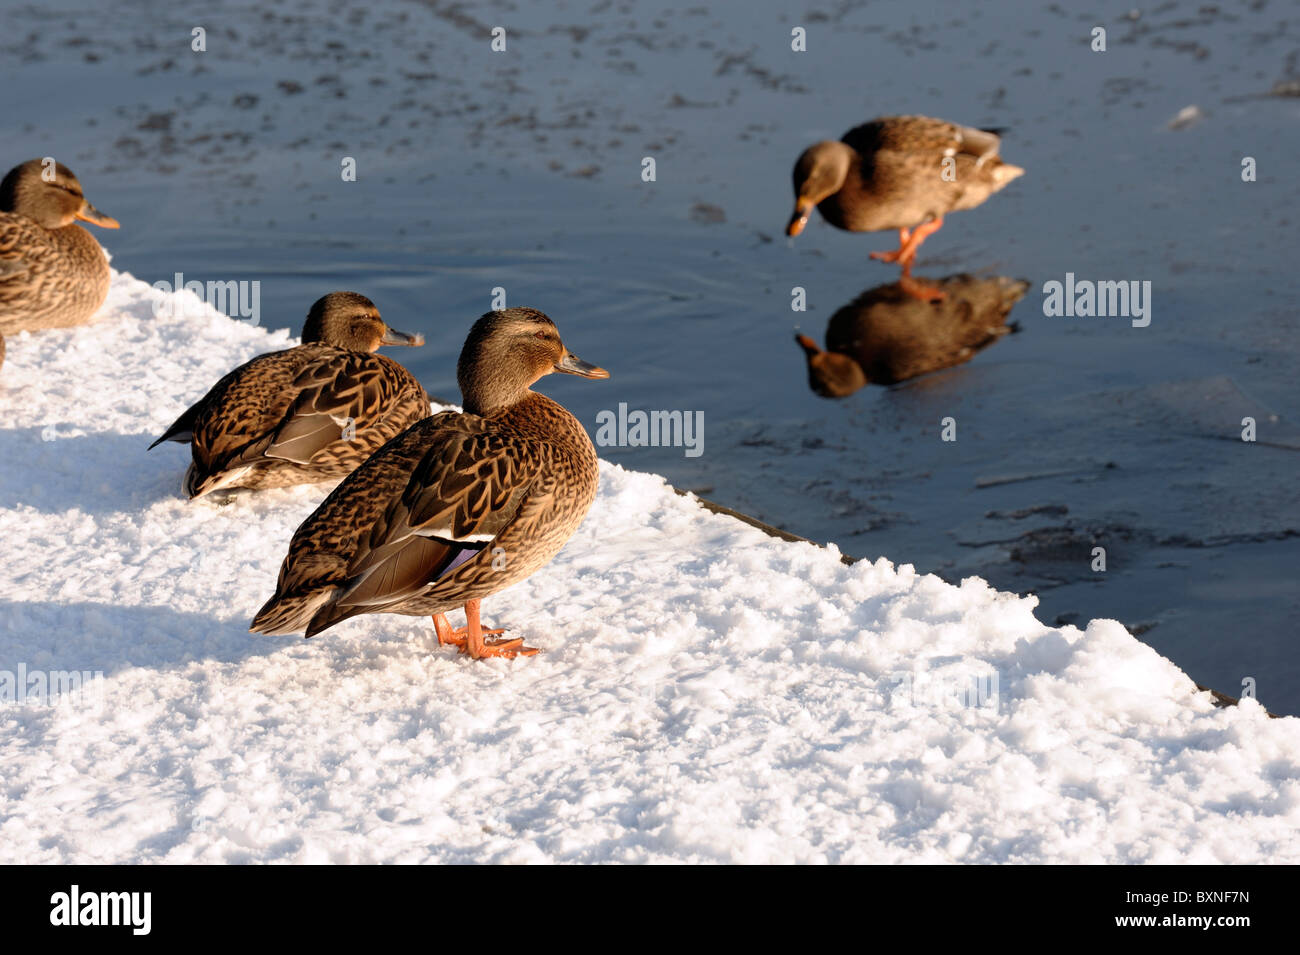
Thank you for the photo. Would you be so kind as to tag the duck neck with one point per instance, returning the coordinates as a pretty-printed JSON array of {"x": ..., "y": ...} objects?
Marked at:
[
  {"x": 830, "y": 170},
  {"x": 484, "y": 394}
]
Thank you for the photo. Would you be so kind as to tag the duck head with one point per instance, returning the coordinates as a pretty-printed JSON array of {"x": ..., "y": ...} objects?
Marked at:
[
  {"x": 831, "y": 374},
  {"x": 49, "y": 195},
  {"x": 351, "y": 321},
  {"x": 819, "y": 173},
  {"x": 508, "y": 351}
]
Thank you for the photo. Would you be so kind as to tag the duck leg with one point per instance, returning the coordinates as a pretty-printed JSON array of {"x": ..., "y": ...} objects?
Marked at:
[
  {"x": 909, "y": 241},
  {"x": 894, "y": 255},
  {"x": 469, "y": 638}
]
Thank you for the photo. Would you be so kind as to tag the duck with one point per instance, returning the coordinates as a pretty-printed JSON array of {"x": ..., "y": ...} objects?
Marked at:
[
  {"x": 887, "y": 335},
  {"x": 306, "y": 414},
  {"x": 53, "y": 273},
  {"x": 899, "y": 172},
  {"x": 456, "y": 508}
]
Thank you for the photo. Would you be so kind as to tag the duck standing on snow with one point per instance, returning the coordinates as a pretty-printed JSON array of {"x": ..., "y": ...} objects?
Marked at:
[
  {"x": 885, "y": 335},
  {"x": 52, "y": 272},
  {"x": 458, "y": 507},
  {"x": 308, "y": 413},
  {"x": 899, "y": 172}
]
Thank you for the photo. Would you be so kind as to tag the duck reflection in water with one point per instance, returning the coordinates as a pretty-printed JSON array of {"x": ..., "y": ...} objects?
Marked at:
[{"x": 885, "y": 335}]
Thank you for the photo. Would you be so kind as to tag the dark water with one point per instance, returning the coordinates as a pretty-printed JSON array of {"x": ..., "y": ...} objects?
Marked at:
[{"x": 521, "y": 170}]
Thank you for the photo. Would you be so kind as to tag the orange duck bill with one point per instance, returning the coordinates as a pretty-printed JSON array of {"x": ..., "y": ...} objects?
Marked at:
[
  {"x": 393, "y": 337},
  {"x": 571, "y": 364},
  {"x": 799, "y": 219},
  {"x": 92, "y": 215}
]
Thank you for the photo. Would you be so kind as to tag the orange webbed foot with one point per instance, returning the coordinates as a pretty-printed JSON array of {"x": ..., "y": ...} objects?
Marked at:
[
  {"x": 470, "y": 638},
  {"x": 449, "y": 636},
  {"x": 502, "y": 648},
  {"x": 909, "y": 241}
]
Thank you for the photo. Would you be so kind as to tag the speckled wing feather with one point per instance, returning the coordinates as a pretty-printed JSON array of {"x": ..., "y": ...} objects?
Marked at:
[
  {"x": 332, "y": 392},
  {"x": 294, "y": 405},
  {"x": 913, "y": 169},
  {"x": 414, "y": 529},
  {"x": 49, "y": 278},
  {"x": 30, "y": 269},
  {"x": 463, "y": 491},
  {"x": 20, "y": 273},
  {"x": 12, "y": 262},
  {"x": 923, "y": 135}
]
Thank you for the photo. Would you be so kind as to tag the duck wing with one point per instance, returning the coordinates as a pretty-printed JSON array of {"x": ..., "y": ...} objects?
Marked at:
[
  {"x": 335, "y": 393},
  {"x": 16, "y": 233},
  {"x": 292, "y": 405},
  {"x": 922, "y": 135},
  {"x": 21, "y": 267},
  {"x": 470, "y": 484}
]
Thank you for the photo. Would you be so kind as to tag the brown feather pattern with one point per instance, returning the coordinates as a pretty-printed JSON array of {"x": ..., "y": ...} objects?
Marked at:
[
  {"x": 283, "y": 416},
  {"x": 895, "y": 173},
  {"x": 518, "y": 481},
  {"x": 49, "y": 278}
]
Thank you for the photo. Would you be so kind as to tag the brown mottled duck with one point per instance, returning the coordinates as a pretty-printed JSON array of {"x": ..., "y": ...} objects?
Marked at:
[
  {"x": 305, "y": 414},
  {"x": 899, "y": 172},
  {"x": 52, "y": 271},
  {"x": 456, "y": 508}
]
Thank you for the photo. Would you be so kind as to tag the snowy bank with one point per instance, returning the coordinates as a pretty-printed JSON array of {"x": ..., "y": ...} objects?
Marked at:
[{"x": 706, "y": 692}]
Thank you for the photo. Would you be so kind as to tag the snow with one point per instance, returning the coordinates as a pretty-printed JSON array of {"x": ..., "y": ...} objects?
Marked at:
[{"x": 706, "y": 693}]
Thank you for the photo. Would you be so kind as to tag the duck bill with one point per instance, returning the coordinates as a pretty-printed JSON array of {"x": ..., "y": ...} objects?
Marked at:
[
  {"x": 92, "y": 215},
  {"x": 800, "y": 218},
  {"x": 393, "y": 337},
  {"x": 571, "y": 364},
  {"x": 808, "y": 345}
]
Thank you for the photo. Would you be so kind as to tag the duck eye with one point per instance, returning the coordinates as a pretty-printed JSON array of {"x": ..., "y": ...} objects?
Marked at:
[{"x": 541, "y": 335}]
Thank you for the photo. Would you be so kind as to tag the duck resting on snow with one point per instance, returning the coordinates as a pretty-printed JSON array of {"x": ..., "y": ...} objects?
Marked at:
[
  {"x": 52, "y": 271},
  {"x": 305, "y": 414},
  {"x": 457, "y": 507}
]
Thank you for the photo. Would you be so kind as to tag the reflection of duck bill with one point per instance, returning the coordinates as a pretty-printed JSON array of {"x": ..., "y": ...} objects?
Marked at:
[
  {"x": 831, "y": 374},
  {"x": 887, "y": 335}
]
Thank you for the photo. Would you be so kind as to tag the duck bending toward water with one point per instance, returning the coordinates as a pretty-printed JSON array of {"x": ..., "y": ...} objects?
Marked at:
[
  {"x": 52, "y": 271},
  {"x": 457, "y": 507},
  {"x": 306, "y": 414},
  {"x": 899, "y": 172}
]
